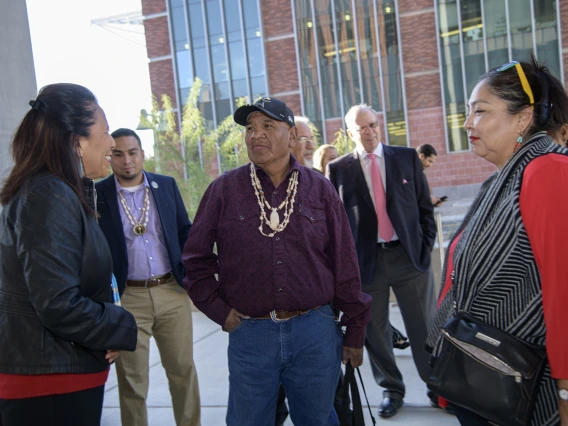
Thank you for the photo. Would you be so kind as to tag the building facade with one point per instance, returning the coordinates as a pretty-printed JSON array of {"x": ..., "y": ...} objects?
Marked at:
[
  {"x": 414, "y": 61},
  {"x": 17, "y": 81}
]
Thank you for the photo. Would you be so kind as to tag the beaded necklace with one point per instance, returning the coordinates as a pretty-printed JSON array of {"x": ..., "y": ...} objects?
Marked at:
[
  {"x": 138, "y": 227},
  {"x": 274, "y": 222}
]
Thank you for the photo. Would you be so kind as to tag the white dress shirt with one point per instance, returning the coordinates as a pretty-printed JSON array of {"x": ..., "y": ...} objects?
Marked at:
[{"x": 366, "y": 166}]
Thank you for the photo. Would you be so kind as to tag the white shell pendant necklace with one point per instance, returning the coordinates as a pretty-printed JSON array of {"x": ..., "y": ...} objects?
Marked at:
[
  {"x": 138, "y": 227},
  {"x": 288, "y": 203}
]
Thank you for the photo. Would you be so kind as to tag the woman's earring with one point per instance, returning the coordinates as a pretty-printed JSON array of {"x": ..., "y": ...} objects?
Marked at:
[
  {"x": 519, "y": 141},
  {"x": 80, "y": 166}
]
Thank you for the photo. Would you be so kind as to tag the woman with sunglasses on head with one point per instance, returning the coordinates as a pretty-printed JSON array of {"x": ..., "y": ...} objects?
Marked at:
[
  {"x": 505, "y": 265},
  {"x": 59, "y": 327}
]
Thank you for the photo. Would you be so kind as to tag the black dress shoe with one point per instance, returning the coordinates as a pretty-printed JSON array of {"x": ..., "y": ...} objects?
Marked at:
[{"x": 389, "y": 407}]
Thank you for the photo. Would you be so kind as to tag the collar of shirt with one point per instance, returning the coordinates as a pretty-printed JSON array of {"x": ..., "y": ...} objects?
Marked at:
[
  {"x": 120, "y": 188},
  {"x": 294, "y": 165},
  {"x": 378, "y": 152}
]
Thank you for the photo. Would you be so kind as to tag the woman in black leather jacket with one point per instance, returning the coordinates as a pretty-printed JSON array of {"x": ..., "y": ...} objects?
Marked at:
[{"x": 59, "y": 328}]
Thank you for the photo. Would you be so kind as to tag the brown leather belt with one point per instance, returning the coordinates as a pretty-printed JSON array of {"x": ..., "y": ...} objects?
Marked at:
[
  {"x": 154, "y": 282},
  {"x": 285, "y": 315}
]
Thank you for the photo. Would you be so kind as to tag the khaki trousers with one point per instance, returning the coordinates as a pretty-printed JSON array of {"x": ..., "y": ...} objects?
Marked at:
[{"x": 165, "y": 313}]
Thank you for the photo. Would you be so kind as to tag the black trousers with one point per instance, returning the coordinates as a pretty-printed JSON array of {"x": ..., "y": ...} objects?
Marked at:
[{"x": 69, "y": 409}]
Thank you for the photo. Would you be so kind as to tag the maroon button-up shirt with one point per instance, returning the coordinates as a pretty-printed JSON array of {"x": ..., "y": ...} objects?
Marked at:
[{"x": 311, "y": 263}]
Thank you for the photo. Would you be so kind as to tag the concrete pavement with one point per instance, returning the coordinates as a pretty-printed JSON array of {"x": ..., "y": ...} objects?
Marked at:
[{"x": 210, "y": 354}]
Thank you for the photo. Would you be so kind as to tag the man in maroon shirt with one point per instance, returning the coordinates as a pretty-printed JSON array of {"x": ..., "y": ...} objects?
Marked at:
[{"x": 284, "y": 255}]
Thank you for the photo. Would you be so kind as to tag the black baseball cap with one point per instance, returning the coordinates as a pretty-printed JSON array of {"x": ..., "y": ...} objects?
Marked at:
[{"x": 272, "y": 107}]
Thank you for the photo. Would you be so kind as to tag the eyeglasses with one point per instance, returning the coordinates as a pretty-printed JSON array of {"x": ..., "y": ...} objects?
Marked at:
[
  {"x": 522, "y": 77},
  {"x": 371, "y": 126},
  {"x": 304, "y": 140}
]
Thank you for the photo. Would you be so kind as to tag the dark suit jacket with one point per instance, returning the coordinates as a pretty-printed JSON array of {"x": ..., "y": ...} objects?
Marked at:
[
  {"x": 173, "y": 218},
  {"x": 408, "y": 206}
]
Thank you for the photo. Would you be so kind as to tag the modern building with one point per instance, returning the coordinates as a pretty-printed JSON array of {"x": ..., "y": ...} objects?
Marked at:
[
  {"x": 414, "y": 61},
  {"x": 17, "y": 80}
]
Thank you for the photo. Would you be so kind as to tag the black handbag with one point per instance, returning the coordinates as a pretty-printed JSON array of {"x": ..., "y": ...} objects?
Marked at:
[
  {"x": 348, "y": 416},
  {"x": 488, "y": 371}
]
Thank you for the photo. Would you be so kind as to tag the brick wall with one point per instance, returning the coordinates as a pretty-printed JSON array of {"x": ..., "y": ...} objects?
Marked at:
[
  {"x": 281, "y": 62},
  {"x": 162, "y": 80},
  {"x": 277, "y": 17},
  {"x": 281, "y": 66},
  {"x": 419, "y": 38},
  {"x": 150, "y": 7},
  {"x": 413, "y": 5},
  {"x": 157, "y": 45},
  {"x": 157, "y": 37},
  {"x": 423, "y": 91}
]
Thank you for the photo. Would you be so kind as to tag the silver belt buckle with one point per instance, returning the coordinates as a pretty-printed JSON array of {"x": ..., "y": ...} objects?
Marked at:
[{"x": 273, "y": 316}]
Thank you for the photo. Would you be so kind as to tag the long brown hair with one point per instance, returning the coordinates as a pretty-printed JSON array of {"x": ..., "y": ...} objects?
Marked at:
[{"x": 47, "y": 139}]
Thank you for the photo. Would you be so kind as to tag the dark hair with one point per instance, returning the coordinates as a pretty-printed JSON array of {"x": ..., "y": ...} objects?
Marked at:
[
  {"x": 427, "y": 150},
  {"x": 47, "y": 139},
  {"x": 550, "y": 99},
  {"x": 122, "y": 132}
]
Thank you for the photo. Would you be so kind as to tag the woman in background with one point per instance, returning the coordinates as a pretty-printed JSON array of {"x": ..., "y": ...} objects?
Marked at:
[
  {"x": 59, "y": 328},
  {"x": 323, "y": 155}
]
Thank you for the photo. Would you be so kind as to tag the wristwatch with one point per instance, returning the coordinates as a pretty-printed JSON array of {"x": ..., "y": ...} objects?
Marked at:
[{"x": 563, "y": 394}]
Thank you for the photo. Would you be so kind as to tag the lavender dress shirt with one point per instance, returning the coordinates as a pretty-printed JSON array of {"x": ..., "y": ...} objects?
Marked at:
[
  {"x": 147, "y": 254},
  {"x": 311, "y": 263}
]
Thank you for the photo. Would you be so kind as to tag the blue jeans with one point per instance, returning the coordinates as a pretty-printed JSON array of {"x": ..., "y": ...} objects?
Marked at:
[{"x": 303, "y": 353}]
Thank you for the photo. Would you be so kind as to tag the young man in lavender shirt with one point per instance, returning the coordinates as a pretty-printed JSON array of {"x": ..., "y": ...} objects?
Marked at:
[
  {"x": 146, "y": 225},
  {"x": 284, "y": 254}
]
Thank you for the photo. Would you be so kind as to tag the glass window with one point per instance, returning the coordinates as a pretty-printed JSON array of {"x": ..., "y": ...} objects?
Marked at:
[
  {"x": 250, "y": 11},
  {"x": 223, "y": 109},
  {"x": 256, "y": 64},
  {"x": 196, "y": 21},
  {"x": 201, "y": 64},
  {"x": 496, "y": 32},
  {"x": 178, "y": 24},
  {"x": 237, "y": 58},
  {"x": 452, "y": 73},
  {"x": 350, "y": 84},
  {"x": 258, "y": 87},
  {"x": 547, "y": 35},
  {"x": 185, "y": 71},
  {"x": 232, "y": 20},
  {"x": 214, "y": 18},
  {"x": 219, "y": 60},
  {"x": 472, "y": 33},
  {"x": 392, "y": 76},
  {"x": 521, "y": 29},
  {"x": 328, "y": 57},
  {"x": 308, "y": 64},
  {"x": 368, "y": 53},
  {"x": 240, "y": 88}
]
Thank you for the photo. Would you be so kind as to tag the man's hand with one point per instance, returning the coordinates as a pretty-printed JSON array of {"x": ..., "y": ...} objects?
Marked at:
[
  {"x": 233, "y": 320},
  {"x": 436, "y": 201},
  {"x": 354, "y": 355},
  {"x": 111, "y": 355}
]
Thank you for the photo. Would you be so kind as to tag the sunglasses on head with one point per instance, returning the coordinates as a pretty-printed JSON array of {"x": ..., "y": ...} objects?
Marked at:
[{"x": 522, "y": 77}]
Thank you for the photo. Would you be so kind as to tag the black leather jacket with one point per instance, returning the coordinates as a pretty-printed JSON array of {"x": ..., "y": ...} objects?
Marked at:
[{"x": 56, "y": 311}]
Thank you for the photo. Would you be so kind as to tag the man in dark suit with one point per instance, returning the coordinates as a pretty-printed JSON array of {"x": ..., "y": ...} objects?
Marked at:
[
  {"x": 146, "y": 225},
  {"x": 386, "y": 196}
]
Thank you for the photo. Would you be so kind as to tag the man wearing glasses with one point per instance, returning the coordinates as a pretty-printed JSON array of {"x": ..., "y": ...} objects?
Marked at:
[
  {"x": 387, "y": 199},
  {"x": 303, "y": 151}
]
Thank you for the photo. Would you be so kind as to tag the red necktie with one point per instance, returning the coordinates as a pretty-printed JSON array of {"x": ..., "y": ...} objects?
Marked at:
[{"x": 386, "y": 230}]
